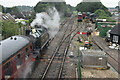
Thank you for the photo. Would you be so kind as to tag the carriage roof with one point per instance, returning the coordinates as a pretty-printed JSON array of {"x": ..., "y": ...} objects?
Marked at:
[{"x": 12, "y": 45}]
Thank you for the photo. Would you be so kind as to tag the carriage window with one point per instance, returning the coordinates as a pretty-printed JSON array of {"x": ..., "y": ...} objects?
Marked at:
[
  {"x": 26, "y": 49},
  {"x": 19, "y": 60},
  {"x": 27, "y": 54},
  {"x": 6, "y": 65},
  {"x": 8, "y": 70},
  {"x": 31, "y": 49}
]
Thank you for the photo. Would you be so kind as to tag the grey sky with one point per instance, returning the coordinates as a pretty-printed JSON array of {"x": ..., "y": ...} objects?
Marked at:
[{"x": 10, "y": 3}]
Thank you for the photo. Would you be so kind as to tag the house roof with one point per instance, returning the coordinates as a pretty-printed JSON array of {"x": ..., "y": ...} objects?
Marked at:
[
  {"x": 116, "y": 30},
  {"x": 6, "y": 17}
]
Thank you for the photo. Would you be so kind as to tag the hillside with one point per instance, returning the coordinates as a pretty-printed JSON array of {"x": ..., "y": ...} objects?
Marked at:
[{"x": 25, "y": 8}]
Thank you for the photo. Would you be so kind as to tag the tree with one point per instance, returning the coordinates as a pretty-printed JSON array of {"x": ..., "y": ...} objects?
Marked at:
[
  {"x": 101, "y": 13},
  {"x": 91, "y": 7},
  {"x": 117, "y": 7},
  {"x": 41, "y": 7},
  {"x": 13, "y": 9},
  {"x": 9, "y": 29},
  {"x": 2, "y": 9},
  {"x": 25, "y": 8},
  {"x": 61, "y": 7}
]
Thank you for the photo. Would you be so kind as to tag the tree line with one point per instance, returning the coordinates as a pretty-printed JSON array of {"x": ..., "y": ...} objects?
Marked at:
[{"x": 62, "y": 7}]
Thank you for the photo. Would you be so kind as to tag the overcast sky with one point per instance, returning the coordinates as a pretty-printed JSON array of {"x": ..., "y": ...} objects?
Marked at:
[{"x": 11, "y": 3}]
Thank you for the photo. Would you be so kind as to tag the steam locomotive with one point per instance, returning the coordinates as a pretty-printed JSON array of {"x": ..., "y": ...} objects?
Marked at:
[{"x": 18, "y": 51}]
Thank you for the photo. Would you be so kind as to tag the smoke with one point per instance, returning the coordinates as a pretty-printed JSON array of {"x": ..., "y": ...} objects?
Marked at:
[
  {"x": 49, "y": 19},
  {"x": 27, "y": 72}
]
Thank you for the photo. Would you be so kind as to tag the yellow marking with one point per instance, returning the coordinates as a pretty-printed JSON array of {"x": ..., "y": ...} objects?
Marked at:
[{"x": 33, "y": 30}]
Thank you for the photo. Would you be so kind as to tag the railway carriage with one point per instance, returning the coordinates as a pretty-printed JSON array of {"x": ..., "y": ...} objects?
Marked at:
[
  {"x": 17, "y": 51},
  {"x": 80, "y": 17},
  {"x": 84, "y": 15}
]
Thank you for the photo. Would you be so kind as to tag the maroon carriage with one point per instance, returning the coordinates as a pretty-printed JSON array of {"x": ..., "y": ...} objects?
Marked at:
[{"x": 17, "y": 52}]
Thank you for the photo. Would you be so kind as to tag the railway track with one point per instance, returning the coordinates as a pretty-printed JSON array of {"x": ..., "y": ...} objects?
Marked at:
[
  {"x": 60, "y": 51},
  {"x": 53, "y": 56},
  {"x": 62, "y": 24}
]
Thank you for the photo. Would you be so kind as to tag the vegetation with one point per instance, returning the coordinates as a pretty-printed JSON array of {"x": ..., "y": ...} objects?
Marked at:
[
  {"x": 62, "y": 7},
  {"x": 41, "y": 7},
  {"x": 118, "y": 7},
  {"x": 92, "y": 7},
  {"x": 103, "y": 15},
  {"x": 9, "y": 29},
  {"x": 2, "y": 9},
  {"x": 25, "y": 8},
  {"x": 13, "y": 9}
]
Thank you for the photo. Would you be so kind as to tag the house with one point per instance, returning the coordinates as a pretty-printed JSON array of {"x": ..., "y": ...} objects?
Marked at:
[
  {"x": 115, "y": 34},
  {"x": 26, "y": 14},
  {"x": 6, "y": 17},
  {"x": 17, "y": 15}
]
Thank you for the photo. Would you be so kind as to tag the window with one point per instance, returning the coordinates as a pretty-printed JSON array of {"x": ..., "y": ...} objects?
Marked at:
[
  {"x": 27, "y": 54},
  {"x": 30, "y": 49},
  {"x": 19, "y": 60},
  {"x": 26, "y": 49},
  {"x": 115, "y": 38},
  {"x": 8, "y": 70}
]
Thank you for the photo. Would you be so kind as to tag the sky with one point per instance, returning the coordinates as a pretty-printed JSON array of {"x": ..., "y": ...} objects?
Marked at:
[{"x": 11, "y": 3}]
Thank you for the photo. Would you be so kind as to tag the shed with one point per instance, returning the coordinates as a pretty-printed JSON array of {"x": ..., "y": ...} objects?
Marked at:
[
  {"x": 93, "y": 58},
  {"x": 115, "y": 34}
]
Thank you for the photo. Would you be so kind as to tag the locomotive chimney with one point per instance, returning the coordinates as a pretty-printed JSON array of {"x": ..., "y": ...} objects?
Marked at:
[{"x": 27, "y": 32}]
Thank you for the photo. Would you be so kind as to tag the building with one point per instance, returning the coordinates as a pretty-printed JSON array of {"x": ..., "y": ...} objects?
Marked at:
[
  {"x": 6, "y": 17},
  {"x": 115, "y": 34}
]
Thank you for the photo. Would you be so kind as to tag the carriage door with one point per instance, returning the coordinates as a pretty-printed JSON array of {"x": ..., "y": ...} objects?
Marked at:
[{"x": 8, "y": 70}]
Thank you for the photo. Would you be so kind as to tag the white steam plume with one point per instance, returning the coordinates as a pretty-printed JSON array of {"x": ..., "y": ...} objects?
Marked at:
[{"x": 49, "y": 20}]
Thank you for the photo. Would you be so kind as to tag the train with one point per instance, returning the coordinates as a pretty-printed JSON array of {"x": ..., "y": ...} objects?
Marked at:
[
  {"x": 84, "y": 15},
  {"x": 80, "y": 17},
  {"x": 69, "y": 14},
  {"x": 87, "y": 17},
  {"x": 20, "y": 50},
  {"x": 93, "y": 18}
]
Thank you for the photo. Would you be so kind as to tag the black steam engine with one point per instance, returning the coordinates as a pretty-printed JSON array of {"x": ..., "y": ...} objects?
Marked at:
[{"x": 39, "y": 38}]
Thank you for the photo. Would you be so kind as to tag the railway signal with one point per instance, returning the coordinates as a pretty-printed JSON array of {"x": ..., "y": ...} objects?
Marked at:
[
  {"x": 79, "y": 40},
  {"x": 88, "y": 33},
  {"x": 81, "y": 32},
  {"x": 87, "y": 43}
]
